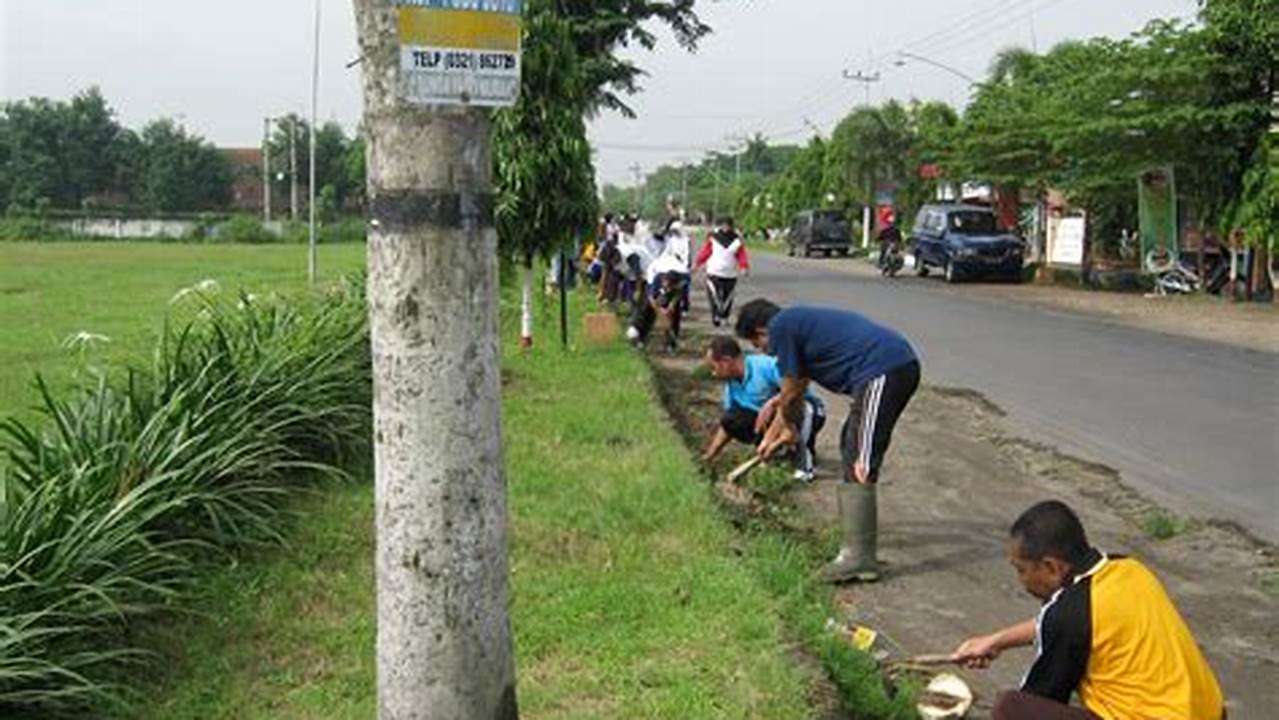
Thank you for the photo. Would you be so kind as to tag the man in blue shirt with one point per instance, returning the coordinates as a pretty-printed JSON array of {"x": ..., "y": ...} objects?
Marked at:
[
  {"x": 750, "y": 381},
  {"x": 844, "y": 353}
]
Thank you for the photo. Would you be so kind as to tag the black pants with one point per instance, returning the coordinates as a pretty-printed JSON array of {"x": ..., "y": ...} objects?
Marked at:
[
  {"x": 719, "y": 293},
  {"x": 868, "y": 431},
  {"x": 739, "y": 423},
  {"x": 1018, "y": 705},
  {"x": 644, "y": 317}
]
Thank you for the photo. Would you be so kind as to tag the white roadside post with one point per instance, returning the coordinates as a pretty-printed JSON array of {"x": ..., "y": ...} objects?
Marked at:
[{"x": 444, "y": 647}]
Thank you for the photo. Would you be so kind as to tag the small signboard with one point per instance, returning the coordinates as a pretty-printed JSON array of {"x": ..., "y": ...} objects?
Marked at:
[
  {"x": 460, "y": 52},
  {"x": 1066, "y": 241}
]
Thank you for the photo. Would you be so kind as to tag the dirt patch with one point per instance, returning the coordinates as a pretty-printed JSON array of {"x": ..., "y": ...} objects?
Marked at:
[{"x": 956, "y": 477}]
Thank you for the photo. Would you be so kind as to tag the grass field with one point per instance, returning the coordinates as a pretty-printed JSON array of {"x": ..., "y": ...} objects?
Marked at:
[
  {"x": 628, "y": 599},
  {"x": 632, "y": 597},
  {"x": 121, "y": 291}
]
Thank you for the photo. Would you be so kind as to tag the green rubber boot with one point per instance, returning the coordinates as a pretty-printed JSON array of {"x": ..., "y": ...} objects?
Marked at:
[{"x": 859, "y": 517}]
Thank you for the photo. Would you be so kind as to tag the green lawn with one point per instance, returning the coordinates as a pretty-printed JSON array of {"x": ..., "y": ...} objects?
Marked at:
[
  {"x": 628, "y": 599},
  {"x": 122, "y": 291},
  {"x": 632, "y": 597}
]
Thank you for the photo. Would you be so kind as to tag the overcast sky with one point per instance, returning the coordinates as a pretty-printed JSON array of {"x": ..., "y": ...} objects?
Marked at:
[{"x": 772, "y": 66}]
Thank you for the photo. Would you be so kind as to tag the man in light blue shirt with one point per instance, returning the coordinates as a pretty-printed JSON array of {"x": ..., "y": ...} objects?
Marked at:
[{"x": 750, "y": 381}]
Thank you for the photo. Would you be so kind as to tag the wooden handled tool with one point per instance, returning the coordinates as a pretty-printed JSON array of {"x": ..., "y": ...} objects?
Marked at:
[
  {"x": 740, "y": 471},
  {"x": 929, "y": 660}
]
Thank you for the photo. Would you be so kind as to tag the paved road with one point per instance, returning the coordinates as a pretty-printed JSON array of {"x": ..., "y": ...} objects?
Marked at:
[{"x": 1193, "y": 425}]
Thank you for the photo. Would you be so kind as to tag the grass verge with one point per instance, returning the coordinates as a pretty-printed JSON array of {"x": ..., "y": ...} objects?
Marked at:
[
  {"x": 632, "y": 597},
  {"x": 783, "y": 551}
]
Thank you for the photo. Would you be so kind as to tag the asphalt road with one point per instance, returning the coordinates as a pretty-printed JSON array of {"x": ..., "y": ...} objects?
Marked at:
[{"x": 1193, "y": 425}]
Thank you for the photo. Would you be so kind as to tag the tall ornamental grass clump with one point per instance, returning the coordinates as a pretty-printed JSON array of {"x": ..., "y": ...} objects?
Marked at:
[{"x": 109, "y": 508}]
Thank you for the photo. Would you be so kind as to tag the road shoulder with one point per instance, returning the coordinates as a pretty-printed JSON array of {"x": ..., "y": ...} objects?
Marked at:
[{"x": 958, "y": 474}]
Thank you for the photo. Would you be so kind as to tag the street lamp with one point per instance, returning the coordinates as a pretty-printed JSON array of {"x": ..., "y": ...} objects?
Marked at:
[{"x": 942, "y": 66}]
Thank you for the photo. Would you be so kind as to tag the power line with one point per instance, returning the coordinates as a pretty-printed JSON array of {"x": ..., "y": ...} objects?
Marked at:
[
  {"x": 949, "y": 26},
  {"x": 958, "y": 26},
  {"x": 965, "y": 41}
]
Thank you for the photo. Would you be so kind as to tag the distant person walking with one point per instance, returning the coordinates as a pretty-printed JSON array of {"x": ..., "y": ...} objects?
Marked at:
[
  {"x": 723, "y": 255},
  {"x": 845, "y": 353}
]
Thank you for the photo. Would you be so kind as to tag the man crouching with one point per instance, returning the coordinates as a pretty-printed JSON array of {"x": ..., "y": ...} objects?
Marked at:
[
  {"x": 1107, "y": 631},
  {"x": 750, "y": 381}
]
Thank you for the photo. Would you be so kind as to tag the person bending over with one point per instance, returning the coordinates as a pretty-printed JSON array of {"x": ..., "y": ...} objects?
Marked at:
[{"x": 848, "y": 354}]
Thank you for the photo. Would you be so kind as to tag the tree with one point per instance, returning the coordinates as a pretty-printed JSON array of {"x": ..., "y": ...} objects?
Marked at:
[
  {"x": 756, "y": 157},
  {"x": 443, "y": 631},
  {"x": 1088, "y": 117},
  {"x": 602, "y": 27},
  {"x": 1247, "y": 31},
  {"x": 932, "y": 126},
  {"x": 353, "y": 172},
  {"x": 542, "y": 158},
  {"x": 867, "y": 148},
  {"x": 181, "y": 171},
  {"x": 1011, "y": 64},
  {"x": 800, "y": 186},
  {"x": 61, "y": 151},
  {"x": 332, "y": 158}
]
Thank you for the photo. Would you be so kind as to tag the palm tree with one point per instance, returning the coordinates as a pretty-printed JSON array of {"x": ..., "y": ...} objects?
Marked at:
[{"x": 1011, "y": 64}]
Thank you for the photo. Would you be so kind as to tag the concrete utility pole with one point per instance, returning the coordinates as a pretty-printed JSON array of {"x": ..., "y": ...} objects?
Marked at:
[
  {"x": 639, "y": 187},
  {"x": 266, "y": 169},
  {"x": 444, "y": 646},
  {"x": 315, "y": 94},
  {"x": 293, "y": 169},
  {"x": 683, "y": 185},
  {"x": 715, "y": 197},
  {"x": 864, "y": 79}
]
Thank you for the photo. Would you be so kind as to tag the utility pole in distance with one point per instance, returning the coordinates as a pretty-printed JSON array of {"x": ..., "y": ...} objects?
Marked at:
[
  {"x": 639, "y": 187},
  {"x": 739, "y": 144},
  {"x": 444, "y": 645},
  {"x": 310, "y": 190},
  {"x": 293, "y": 168},
  {"x": 864, "y": 79},
  {"x": 266, "y": 169}
]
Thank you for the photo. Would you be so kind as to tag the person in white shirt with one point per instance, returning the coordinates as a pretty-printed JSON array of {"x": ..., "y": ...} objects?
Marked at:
[{"x": 723, "y": 255}]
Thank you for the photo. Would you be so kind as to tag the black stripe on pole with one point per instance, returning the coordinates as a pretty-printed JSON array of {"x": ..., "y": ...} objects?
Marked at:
[{"x": 410, "y": 209}]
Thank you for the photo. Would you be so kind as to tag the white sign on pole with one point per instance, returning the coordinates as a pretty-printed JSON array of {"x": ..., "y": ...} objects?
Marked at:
[
  {"x": 1066, "y": 244},
  {"x": 460, "y": 52}
]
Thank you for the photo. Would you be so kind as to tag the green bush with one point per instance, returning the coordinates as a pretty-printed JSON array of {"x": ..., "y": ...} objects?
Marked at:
[
  {"x": 244, "y": 229},
  {"x": 17, "y": 228},
  {"x": 345, "y": 230},
  {"x": 107, "y": 511},
  {"x": 205, "y": 228}
]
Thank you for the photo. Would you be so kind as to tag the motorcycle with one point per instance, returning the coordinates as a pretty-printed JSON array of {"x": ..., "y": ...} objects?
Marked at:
[{"x": 891, "y": 260}]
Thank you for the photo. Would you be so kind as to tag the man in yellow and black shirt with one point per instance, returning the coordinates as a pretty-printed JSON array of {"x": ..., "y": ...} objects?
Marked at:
[{"x": 1107, "y": 631}]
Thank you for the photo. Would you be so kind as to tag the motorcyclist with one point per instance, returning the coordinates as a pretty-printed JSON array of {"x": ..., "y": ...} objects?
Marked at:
[{"x": 890, "y": 243}]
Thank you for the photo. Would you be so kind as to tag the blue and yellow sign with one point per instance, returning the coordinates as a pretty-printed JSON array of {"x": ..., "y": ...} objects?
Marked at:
[{"x": 460, "y": 52}]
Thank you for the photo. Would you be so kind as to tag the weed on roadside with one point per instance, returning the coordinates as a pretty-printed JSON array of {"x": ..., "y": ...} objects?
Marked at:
[
  {"x": 1163, "y": 525},
  {"x": 1270, "y": 583}
]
